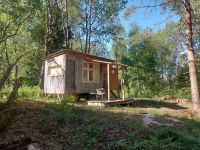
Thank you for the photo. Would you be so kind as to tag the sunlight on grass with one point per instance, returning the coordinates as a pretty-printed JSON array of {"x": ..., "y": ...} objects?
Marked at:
[{"x": 75, "y": 125}]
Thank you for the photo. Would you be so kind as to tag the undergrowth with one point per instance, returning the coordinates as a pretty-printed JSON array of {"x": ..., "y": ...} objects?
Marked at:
[
  {"x": 97, "y": 129},
  {"x": 82, "y": 127}
]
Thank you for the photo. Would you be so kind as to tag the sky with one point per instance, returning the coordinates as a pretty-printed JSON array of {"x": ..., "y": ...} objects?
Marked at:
[{"x": 151, "y": 18}]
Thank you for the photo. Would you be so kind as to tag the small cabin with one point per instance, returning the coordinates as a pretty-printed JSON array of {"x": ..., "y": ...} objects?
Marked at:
[{"x": 73, "y": 72}]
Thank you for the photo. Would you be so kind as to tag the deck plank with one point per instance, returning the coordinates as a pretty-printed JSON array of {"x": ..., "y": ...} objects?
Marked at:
[{"x": 103, "y": 103}]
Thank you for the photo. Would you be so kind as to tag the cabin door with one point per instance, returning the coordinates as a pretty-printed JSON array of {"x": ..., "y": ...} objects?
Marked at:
[
  {"x": 71, "y": 79},
  {"x": 113, "y": 78}
]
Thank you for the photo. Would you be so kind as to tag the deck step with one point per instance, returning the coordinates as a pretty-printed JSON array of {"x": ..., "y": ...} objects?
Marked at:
[{"x": 103, "y": 103}]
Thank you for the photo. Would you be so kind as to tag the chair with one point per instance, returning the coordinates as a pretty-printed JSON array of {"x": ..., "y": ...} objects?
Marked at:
[{"x": 100, "y": 92}]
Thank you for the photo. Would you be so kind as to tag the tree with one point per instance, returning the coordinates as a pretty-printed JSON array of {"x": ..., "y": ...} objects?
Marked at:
[
  {"x": 184, "y": 9},
  {"x": 150, "y": 61},
  {"x": 190, "y": 54},
  {"x": 17, "y": 19},
  {"x": 119, "y": 44},
  {"x": 98, "y": 21}
]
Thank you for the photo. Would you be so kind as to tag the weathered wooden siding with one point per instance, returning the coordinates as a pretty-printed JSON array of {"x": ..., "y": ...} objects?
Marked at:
[
  {"x": 80, "y": 87},
  {"x": 68, "y": 77},
  {"x": 70, "y": 81},
  {"x": 55, "y": 84}
]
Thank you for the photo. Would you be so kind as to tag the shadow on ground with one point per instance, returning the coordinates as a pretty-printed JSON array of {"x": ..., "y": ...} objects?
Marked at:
[
  {"x": 55, "y": 126},
  {"x": 148, "y": 103}
]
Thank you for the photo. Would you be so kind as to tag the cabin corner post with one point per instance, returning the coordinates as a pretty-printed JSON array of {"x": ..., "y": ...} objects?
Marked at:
[
  {"x": 108, "y": 80},
  {"x": 123, "y": 87}
]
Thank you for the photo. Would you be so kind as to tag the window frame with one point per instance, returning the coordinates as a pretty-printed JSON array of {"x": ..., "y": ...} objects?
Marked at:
[
  {"x": 54, "y": 67},
  {"x": 93, "y": 69}
]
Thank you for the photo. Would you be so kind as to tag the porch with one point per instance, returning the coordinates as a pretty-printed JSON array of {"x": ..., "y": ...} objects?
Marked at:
[{"x": 112, "y": 102}]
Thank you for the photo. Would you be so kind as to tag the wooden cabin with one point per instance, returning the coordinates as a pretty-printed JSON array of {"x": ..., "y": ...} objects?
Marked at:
[{"x": 72, "y": 72}]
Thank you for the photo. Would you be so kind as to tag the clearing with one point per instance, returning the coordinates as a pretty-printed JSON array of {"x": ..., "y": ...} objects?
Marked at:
[{"x": 148, "y": 124}]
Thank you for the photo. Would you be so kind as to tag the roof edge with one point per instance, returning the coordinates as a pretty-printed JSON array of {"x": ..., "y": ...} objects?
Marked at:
[{"x": 77, "y": 53}]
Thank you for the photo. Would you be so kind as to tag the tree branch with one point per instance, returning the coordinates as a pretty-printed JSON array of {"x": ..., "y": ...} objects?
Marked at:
[
  {"x": 16, "y": 31},
  {"x": 133, "y": 8}
]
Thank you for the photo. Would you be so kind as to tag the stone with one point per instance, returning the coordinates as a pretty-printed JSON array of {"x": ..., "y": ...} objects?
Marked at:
[
  {"x": 34, "y": 146},
  {"x": 149, "y": 119}
]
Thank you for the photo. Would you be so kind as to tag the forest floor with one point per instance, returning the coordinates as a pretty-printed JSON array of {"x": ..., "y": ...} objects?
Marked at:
[{"x": 147, "y": 124}]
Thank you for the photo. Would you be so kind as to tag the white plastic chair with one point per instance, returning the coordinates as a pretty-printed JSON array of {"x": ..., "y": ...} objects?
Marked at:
[{"x": 100, "y": 92}]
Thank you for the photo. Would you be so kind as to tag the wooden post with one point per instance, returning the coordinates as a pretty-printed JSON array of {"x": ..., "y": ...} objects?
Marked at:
[
  {"x": 108, "y": 80},
  {"x": 123, "y": 89}
]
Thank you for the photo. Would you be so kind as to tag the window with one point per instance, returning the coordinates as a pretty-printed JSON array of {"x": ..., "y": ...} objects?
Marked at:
[
  {"x": 90, "y": 72},
  {"x": 55, "y": 70},
  {"x": 85, "y": 72}
]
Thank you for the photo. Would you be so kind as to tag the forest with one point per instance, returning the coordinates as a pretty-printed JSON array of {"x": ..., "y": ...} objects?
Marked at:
[{"x": 161, "y": 77}]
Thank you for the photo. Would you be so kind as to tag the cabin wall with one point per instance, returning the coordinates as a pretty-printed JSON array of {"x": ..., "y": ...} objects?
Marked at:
[
  {"x": 70, "y": 80},
  {"x": 55, "y": 84},
  {"x": 80, "y": 87},
  {"x": 85, "y": 87}
]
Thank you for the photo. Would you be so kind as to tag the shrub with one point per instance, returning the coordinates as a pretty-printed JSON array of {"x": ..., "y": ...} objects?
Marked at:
[
  {"x": 184, "y": 93},
  {"x": 30, "y": 92},
  {"x": 69, "y": 99},
  {"x": 25, "y": 92},
  {"x": 5, "y": 92},
  {"x": 169, "y": 138}
]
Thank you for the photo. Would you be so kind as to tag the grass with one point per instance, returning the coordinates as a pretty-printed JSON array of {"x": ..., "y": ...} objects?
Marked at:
[{"x": 77, "y": 126}]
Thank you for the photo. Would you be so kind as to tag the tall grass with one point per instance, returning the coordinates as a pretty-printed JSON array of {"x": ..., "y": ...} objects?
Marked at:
[
  {"x": 30, "y": 92},
  {"x": 25, "y": 92},
  {"x": 5, "y": 92}
]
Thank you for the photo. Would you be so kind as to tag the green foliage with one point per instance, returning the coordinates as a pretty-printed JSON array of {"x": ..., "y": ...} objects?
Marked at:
[
  {"x": 169, "y": 138},
  {"x": 81, "y": 127},
  {"x": 5, "y": 92},
  {"x": 92, "y": 128},
  {"x": 69, "y": 99},
  {"x": 97, "y": 25},
  {"x": 184, "y": 93},
  {"x": 156, "y": 60},
  {"x": 17, "y": 43},
  {"x": 95, "y": 130},
  {"x": 26, "y": 92},
  {"x": 62, "y": 114},
  {"x": 155, "y": 67}
]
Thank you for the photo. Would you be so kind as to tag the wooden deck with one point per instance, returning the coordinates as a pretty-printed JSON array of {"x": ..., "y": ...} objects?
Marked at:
[{"x": 115, "y": 102}]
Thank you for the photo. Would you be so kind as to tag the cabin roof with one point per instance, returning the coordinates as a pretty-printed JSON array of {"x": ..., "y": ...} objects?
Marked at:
[
  {"x": 83, "y": 55},
  {"x": 79, "y": 54}
]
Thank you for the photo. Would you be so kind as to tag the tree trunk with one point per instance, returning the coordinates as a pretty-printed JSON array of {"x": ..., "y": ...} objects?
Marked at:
[
  {"x": 67, "y": 25},
  {"x": 86, "y": 37},
  {"x": 6, "y": 75},
  {"x": 90, "y": 27},
  {"x": 14, "y": 94},
  {"x": 46, "y": 41},
  {"x": 41, "y": 77},
  {"x": 190, "y": 55},
  {"x": 86, "y": 26},
  {"x": 48, "y": 28},
  {"x": 64, "y": 20}
]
